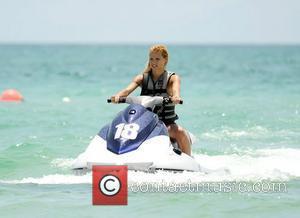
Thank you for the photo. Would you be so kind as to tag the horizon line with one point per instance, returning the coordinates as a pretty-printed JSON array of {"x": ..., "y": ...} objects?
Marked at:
[{"x": 37, "y": 43}]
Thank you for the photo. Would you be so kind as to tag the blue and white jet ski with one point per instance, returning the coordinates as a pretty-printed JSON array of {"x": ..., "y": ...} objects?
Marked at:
[{"x": 138, "y": 139}]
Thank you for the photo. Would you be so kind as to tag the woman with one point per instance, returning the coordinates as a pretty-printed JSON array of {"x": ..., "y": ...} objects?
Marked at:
[{"x": 156, "y": 81}]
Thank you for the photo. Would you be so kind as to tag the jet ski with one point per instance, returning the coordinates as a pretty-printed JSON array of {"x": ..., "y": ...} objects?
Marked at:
[{"x": 138, "y": 139}]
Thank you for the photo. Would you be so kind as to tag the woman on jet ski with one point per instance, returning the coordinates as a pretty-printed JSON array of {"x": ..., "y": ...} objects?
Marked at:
[{"x": 155, "y": 80}]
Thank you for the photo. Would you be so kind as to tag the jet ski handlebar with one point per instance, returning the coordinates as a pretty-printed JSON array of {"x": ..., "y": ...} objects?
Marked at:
[
  {"x": 121, "y": 100},
  {"x": 165, "y": 100}
]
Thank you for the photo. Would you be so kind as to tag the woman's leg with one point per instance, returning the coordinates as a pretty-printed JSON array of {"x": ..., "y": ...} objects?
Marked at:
[{"x": 179, "y": 134}]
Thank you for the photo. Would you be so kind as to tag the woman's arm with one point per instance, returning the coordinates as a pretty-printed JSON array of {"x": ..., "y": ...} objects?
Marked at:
[
  {"x": 130, "y": 88},
  {"x": 175, "y": 87}
]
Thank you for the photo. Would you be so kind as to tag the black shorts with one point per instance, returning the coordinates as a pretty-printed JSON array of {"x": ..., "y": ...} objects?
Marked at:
[{"x": 168, "y": 122}]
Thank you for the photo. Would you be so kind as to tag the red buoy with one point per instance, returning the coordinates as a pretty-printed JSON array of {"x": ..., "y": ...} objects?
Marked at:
[{"x": 11, "y": 95}]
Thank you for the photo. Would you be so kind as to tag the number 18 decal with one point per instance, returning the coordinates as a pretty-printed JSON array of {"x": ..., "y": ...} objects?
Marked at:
[{"x": 127, "y": 131}]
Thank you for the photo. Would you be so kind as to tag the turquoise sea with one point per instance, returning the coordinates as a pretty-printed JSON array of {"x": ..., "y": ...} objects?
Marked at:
[{"x": 241, "y": 102}]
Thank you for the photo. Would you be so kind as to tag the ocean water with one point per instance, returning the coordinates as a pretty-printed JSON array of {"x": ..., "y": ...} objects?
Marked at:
[{"x": 241, "y": 102}]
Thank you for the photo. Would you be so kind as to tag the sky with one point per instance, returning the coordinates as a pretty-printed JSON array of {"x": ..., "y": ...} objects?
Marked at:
[{"x": 150, "y": 21}]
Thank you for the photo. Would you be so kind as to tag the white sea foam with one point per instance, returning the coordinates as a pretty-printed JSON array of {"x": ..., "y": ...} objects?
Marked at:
[
  {"x": 256, "y": 165},
  {"x": 66, "y": 100},
  {"x": 273, "y": 164}
]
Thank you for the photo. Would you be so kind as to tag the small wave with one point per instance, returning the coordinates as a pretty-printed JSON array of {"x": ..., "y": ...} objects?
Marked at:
[
  {"x": 52, "y": 179},
  {"x": 255, "y": 132},
  {"x": 227, "y": 132},
  {"x": 79, "y": 74},
  {"x": 62, "y": 162}
]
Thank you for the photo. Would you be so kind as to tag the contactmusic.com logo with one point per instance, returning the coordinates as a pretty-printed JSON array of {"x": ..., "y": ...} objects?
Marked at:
[{"x": 110, "y": 185}]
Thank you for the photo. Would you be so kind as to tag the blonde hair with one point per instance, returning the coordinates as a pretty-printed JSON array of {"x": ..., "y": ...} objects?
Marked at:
[{"x": 157, "y": 48}]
